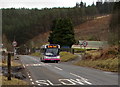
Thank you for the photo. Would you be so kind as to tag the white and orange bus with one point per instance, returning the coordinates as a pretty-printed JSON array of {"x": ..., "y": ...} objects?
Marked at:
[{"x": 50, "y": 52}]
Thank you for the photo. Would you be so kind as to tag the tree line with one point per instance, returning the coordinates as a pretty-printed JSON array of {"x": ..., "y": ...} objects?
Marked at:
[{"x": 23, "y": 24}]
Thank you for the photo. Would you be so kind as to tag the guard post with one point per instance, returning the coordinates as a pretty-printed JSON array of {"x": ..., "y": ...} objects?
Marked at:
[{"x": 9, "y": 66}]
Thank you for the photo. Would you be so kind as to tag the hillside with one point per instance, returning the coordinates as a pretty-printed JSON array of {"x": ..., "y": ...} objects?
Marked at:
[{"x": 96, "y": 29}]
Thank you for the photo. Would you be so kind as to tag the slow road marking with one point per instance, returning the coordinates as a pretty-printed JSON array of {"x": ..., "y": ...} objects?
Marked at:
[
  {"x": 62, "y": 82},
  {"x": 82, "y": 79}
]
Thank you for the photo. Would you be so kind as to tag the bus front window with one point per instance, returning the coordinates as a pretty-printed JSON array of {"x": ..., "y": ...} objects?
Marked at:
[{"x": 51, "y": 52}]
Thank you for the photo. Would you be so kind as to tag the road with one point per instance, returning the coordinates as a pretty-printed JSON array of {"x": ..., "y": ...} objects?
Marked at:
[{"x": 55, "y": 74}]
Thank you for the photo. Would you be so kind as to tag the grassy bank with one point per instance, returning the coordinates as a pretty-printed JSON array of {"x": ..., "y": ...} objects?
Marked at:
[
  {"x": 12, "y": 64},
  {"x": 66, "y": 56},
  {"x": 13, "y": 81},
  {"x": 106, "y": 59},
  {"x": 36, "y": 54},
  {"x": 103, "y": 64}
]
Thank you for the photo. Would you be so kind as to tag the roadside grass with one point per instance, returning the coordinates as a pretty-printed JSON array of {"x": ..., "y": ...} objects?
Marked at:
[
  {"x": 36, "y": 54},
  {"x": 106, "y": 59},
  {"x": 12, "y": 64},
  {"x": 79, "y": 50},
  {"x": 13, "y": 81},
  {"x": 109, "y": 64},
  {"x": 67, "y": 56}
]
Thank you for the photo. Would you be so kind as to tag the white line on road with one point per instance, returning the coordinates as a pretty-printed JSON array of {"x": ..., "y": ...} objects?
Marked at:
[
  {"x": 30, "y": 79},
  {"x": 58, "y": 68},
  {"x": 29, "y": 76},
  {"x": 85, "y": 80},
  {"x": 33, "y": 83},
  {"x": 23, "y": 66}
]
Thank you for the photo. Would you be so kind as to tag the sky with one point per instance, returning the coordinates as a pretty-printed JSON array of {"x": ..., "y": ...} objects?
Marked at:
[{"x": 41, "y": 3}]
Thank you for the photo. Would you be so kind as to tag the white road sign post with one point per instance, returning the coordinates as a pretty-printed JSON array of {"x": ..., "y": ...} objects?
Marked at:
[
  {"x": 14, "y": 45},
  {"x": 85, "y": 44}
]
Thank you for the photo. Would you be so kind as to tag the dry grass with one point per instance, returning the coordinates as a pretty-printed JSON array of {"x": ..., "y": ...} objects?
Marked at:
[
  {"x": 66, "y": 56},
  {"x": 106, "y": 64},
  {"x": 93, "y": 30},
  {"x": 36, "y": 54},
  {"x": 12, "y": 64},
  {"x": 107, "y": 59},
  {"x": 13, "y": 81}
]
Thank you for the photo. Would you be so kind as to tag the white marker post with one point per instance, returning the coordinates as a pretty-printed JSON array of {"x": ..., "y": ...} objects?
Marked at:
[
  {"x": 85, "y": 44},
  {"x": 14, "y": 45}
]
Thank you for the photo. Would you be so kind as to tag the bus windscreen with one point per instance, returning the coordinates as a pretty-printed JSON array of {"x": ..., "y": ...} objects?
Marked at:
[{"x": 51, "y": 52}]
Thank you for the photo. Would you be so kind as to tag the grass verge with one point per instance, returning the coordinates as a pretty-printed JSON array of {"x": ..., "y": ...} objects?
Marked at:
[
  {"x": 66, "y": 56},
  {"x": 13, "y": 81},
  {"x": 12, "y": 64},
  {"x": 36, "y": 54},
  {"x": 103, "y": 64}
]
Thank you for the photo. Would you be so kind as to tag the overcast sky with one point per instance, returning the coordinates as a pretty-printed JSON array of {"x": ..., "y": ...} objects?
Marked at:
[{"x": 41, "y": 3}]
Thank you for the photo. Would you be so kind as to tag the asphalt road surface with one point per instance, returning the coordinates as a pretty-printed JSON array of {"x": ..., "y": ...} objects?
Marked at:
[{"x": 57, "y": 74}]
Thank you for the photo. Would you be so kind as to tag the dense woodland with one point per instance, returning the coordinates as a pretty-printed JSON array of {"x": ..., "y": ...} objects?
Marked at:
[{"x": 23, "y": 24}]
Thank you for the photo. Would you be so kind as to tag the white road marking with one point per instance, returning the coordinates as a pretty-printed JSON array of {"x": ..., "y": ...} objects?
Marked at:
[
  {"x": 31, "y": 80},
  {"x": 108, "y": 72},
  {"x": 29, "y": 76},
  {"x": 61, "y": 82},
  {"x": 33, "y": 83},
  {"x": 69, "y": 82},
  {"x": 38, "y": 64},
  {"x": 52, "y": 83},
  {"x": 83, "y": 79},
  {"x": 23, "y": 66},
  {"x": 58, "y": 68},
  {"x": 77, "y": 81},
  {"x": 44, "y": 82}
]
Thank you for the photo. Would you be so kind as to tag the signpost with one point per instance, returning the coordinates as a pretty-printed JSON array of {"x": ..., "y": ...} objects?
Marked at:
[
  {"x": 14, "y": 45},
  {"x": 9, "y": 66},
  {"x": 84, "y": 44}
]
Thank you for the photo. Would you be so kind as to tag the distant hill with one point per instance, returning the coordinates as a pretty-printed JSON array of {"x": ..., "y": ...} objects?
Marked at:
[{"x": 96, "y": 29}]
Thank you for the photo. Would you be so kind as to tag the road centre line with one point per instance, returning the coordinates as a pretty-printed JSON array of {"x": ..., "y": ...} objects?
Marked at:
[{"x": 58, "y": 68}]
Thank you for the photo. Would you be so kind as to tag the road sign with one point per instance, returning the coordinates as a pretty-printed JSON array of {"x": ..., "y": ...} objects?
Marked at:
[
  {"x": 85, "y": 43},
  {"x": 14, "y": 43}
]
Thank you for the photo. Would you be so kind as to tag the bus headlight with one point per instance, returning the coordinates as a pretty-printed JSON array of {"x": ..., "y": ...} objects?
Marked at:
[{"x": 58, "y": 57}]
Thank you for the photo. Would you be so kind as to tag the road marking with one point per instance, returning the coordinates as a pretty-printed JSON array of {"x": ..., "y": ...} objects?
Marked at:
[
  {"x": 52, "y": 83},
  {"x": 38, "y": 64},
  {"x": 77, "y": 81},
  {"x": 60, "y": 82},
  {"x": 108, "y": 72},
  {"x": 58, "y": 68},
  {"x": 29, "y": 76},
  {"x": 83, "y": 79},
  {"x": 67, "y": 82},
  {"x": 33, "y": 83},
  {"x": 40, "y": 82},
  {"x": 23, "y": 66},
  {"x": 31, "y": 80}
]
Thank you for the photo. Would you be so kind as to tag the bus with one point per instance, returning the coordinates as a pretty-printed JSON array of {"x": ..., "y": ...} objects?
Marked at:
[{"x": 50, "y": 52}]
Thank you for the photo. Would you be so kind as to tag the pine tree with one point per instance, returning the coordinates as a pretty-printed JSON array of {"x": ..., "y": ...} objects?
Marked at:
[{"x": 62, "y": 33}]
